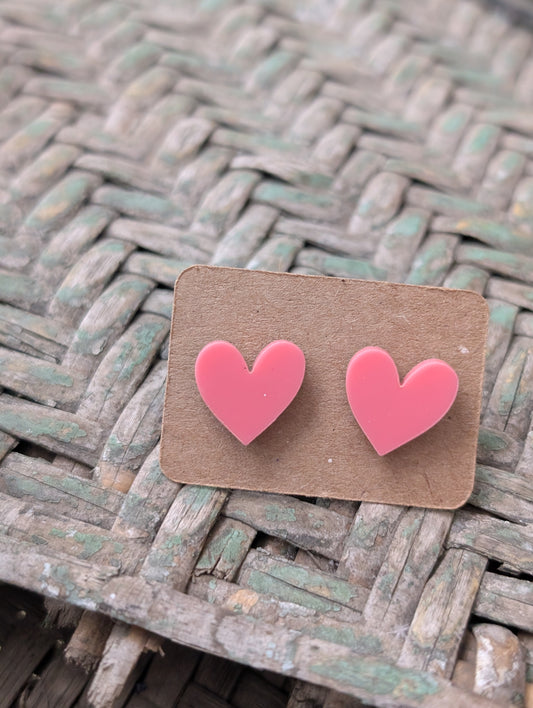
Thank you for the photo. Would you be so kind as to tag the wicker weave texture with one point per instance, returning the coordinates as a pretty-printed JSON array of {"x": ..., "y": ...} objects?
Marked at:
[{"x": 388, "y": 140}]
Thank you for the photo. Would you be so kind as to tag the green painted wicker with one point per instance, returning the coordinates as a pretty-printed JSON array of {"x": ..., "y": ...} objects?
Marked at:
[{"x": 388, "y": 140}]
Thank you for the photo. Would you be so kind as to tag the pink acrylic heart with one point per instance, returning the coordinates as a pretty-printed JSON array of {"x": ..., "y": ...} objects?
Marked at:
[
  {"x": 248, "y": 402},
  {"x": 392, "y": 414}
]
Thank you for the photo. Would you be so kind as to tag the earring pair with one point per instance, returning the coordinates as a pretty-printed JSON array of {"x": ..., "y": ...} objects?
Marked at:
[{"x": 389, "y": 413}]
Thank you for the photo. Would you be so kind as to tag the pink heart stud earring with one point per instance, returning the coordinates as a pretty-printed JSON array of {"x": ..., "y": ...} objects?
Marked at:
[
  {"x": 248, "y": 402},
  {"x": 391, "y": 413}
]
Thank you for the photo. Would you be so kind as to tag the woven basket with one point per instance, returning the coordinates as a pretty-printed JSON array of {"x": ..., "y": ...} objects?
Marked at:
[{"x": 390, "y": 140}]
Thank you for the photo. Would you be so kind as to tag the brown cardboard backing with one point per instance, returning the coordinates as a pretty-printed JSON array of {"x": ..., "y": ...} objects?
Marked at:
[{"x": 316, "y": 448}]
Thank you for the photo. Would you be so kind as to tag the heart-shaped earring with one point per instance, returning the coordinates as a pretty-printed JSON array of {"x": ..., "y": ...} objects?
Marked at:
[
  {"x": 248, "y": 402},
  {"x": 391, "y": 413}
]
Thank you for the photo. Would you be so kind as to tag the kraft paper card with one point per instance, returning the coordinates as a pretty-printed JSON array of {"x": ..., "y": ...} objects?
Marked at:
[{"x": 316, "y": 447}]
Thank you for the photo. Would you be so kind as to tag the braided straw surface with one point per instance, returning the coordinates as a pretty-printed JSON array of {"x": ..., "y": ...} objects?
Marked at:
[{"x": 386, "y": 139}]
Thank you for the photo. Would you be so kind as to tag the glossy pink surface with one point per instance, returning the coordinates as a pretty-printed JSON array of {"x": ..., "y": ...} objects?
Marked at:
[
  {"x": 247, "y": 402},
  {"x": 389, "y": 413}
]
